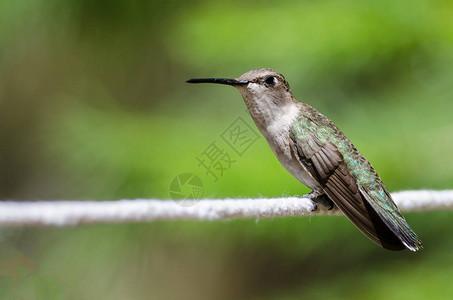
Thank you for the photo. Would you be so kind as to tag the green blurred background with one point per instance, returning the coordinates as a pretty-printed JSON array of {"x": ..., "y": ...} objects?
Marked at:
[{"x": 93, "y": 105}]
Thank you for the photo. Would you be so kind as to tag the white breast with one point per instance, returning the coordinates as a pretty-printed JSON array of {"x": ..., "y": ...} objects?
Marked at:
[
  {"x": 277, "y": 135},
  {"x": 283, "y": 120},
  {"x": 275, "y": 120}
]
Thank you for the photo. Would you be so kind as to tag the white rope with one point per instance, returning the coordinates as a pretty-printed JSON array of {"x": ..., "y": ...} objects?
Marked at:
[{"x": 71, "y": 213}]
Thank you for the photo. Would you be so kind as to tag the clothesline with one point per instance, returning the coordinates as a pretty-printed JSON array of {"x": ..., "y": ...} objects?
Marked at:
[{"x": 72, "y": 213}]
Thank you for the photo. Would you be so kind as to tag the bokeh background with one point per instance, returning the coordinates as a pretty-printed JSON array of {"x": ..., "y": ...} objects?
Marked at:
[{"x": 93, "y": 105}]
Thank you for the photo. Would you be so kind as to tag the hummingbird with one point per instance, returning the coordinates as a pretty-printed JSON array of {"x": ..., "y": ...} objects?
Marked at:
[{"x": 318, "y": 154}]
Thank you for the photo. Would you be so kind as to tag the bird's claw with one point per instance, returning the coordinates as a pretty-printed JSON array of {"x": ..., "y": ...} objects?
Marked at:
[
  {"x": 316, "y": 197},
  {"x": 315, "y": 206},
  {"x": 332, "y": 205}
]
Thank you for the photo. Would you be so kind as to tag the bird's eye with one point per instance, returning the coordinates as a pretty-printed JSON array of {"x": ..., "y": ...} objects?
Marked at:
[{"x": 270, "y": 80}]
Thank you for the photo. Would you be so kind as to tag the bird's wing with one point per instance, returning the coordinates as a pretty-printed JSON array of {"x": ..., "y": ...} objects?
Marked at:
[{"x": 326, "y": 164}]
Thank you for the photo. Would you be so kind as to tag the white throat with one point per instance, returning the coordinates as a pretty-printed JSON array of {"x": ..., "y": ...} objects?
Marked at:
[
  {"x": 284, "y": 119},
  {"x": 272, "y": 116}
]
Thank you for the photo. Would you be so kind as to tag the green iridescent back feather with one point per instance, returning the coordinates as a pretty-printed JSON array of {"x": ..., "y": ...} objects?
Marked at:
[{"x": 311, "y": 122}]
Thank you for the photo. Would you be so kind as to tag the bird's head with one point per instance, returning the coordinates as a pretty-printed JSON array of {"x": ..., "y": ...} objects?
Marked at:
[{"x": 258, "y": 87}]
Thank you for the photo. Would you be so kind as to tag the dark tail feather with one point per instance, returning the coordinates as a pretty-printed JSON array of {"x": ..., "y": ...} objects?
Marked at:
[{"x": 397, "y": 225}]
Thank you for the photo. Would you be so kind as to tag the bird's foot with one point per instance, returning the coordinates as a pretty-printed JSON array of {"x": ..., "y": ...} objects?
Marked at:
[
  {"x": 315, "y": 206},
  {"x": 320, "y": 197},
  {"x": 330, "y": 202}
]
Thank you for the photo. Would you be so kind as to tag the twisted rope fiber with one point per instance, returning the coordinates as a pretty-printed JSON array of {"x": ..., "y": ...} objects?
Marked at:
[{"x": 72, "y": 213}]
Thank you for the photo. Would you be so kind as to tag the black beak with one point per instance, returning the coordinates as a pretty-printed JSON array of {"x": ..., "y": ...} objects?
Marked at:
[{"x": 226, "y": 81}]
